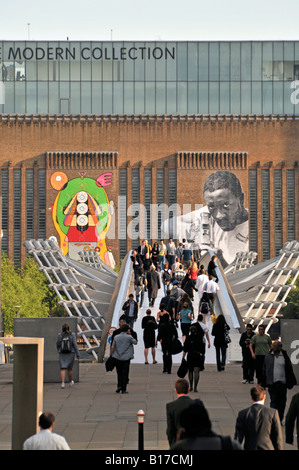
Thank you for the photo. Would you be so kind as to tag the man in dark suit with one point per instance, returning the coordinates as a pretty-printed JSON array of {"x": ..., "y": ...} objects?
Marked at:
[
  {"x": 259, "y": 425},
  {"x": 174, "y": 409}
]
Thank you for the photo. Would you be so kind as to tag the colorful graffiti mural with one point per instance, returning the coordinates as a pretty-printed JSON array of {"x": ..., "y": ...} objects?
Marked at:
[{"x": 82, "y": 214}]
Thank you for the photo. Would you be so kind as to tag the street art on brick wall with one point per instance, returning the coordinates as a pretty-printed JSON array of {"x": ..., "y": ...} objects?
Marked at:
[
  {"x": 221, "y": 224},
  {"x": 82, "y": 214}
]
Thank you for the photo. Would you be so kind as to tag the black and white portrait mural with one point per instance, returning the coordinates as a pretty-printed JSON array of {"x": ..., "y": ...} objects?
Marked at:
[{"x": 222, "y": 223}]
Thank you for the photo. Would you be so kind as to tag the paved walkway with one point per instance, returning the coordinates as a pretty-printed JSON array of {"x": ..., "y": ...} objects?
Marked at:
[{"x": 93, "y": 417}]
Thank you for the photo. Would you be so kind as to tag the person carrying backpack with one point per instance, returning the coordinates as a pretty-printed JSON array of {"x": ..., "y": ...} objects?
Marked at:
[{"x": 67, "y": 348}]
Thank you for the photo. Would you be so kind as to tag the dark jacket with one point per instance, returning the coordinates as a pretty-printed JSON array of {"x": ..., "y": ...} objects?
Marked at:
[
  {"x": 260, "y": 428},
  {"x": 267, "y": 379},
  {"x": 291, "y": 417},
  {"x": 126, "y": 309},
  {"x": 118, "y": 331},
  {"x": 173, "y": 413},
  {"x": 153, "y": 284}
]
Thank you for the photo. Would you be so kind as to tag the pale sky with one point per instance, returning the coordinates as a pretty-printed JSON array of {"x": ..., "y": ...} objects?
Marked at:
[{"x": 165, "y": 20}]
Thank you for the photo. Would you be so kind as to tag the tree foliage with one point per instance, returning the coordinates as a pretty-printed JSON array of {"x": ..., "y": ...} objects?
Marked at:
[
  {"x": 291, "y": 311},
  {"x": 24, "y": 293}
]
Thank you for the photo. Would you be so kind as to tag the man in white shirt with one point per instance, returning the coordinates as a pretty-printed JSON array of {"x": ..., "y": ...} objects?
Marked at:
[
  {"x": 211, "y": 287},
  {"x": 170, "y": 248},
  {"x": 201, "y": 280},
  {"x": 46, "y": 439}
]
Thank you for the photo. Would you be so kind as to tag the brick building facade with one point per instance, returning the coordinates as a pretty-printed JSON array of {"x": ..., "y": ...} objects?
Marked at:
[{"x": 153, "y": 161}]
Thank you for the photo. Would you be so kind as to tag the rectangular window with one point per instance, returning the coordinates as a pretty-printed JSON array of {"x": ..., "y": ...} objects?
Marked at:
[
  {"x": 278, "y": 211},
  {"x": 265, "y": 214},
  {"x": 147, "y": 203},
  {"x": 192, "y": 62},
  {"x": 5, "y": 205},
  {"x": 161, "y": 97},
  {"x": 135, "y": 188},
  {"x": 160, "y": 199},
  {"x": 203, "y": 61},
  {"x": 29, "y": 204},
  {"x": 291, "y": 204},
  {"x": 214, "y": 61},
  {"x": 172, "y": 181},
  {"x": 17, "y": 191},
  {"x": 224, "y": 61},
  {"x": 235, "y": 61},
  {"x": 122, "y": 213},
  {"x": 42, "y": 203},
  {"x": 252, "y": 211}
]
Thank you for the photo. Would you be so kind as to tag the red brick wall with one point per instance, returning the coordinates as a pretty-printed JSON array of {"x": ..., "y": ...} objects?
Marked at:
[{"x": 270, "y": 142}]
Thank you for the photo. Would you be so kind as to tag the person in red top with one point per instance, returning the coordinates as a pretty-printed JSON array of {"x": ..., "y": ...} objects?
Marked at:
[{"x": 193, "y": 270}]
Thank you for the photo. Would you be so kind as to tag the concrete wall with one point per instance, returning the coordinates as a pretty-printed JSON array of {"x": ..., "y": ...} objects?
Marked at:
[
  {"x": 47, "y": 328},
  {"x": 290, "y": 342}
]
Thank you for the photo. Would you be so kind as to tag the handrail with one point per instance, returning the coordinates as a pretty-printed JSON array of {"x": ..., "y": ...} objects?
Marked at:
[
  {"x": 118, "y": 298},
  {"x": 123, "y": 290},
  {"x": 226, "y": 297}
]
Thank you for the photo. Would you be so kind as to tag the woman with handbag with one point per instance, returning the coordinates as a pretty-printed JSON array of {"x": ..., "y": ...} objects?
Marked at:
[
  {"x": 221, "y": 339},
  {"x": 194, "y": 348},
  {"x": 166, "y": 332},
  {"x": 149, "y": 325}
]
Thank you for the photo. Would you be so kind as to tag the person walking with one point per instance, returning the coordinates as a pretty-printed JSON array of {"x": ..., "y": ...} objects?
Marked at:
[
  {"x": 185, "y": 317},
  {"x": 170, "y": 249},
  {"x": 130, "y": 307},
  {"x": 195, "y": 431},
  {"x": 162, "y": 311},
  {"x": 67, "y": 348},
  {"x": 219, "y": 331},
  {"x": 169, "y": 303},
  {"x": 162, "y": 254},
  {"x": 149, "y": 325},
  {"x": 247, "y": 360},
  {"x": 121, "y": 321},
  {"x": 201, "y": 325},
  {"x": 278, "y": 377},
  {"x": 153, "y": 285},
  {"x": 193, "y": 271},
  {"x": 211, "y": 287},
  {"x": 122, "y": 350},
  {"x": 166, "y": 277},
  {"x": 187, "y": 285},
  {"x": 139, "y": 288},
  {"x": 175, "y": 408},
  {"x": 166, "y": 332},
  {"x": 178, "y": 275},
  {"x": 292, "y": 417},
  {"x": 260, "y": 345},
  {"x": 201, "y": 279},
  {"x": 259, "y": 426},
  {"x": 46, "y": 439},
  {"x": 187, "y": 254},
  {"x": 155, "y": 255},
  {"x": 194, "y": 348},
  {"x": 212, "y": 268}
]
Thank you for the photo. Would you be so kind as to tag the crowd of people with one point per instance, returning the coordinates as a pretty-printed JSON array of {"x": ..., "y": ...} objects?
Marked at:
[
  {"x": 177, "y": 269},
  {"x": 179, "y": 272}
]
